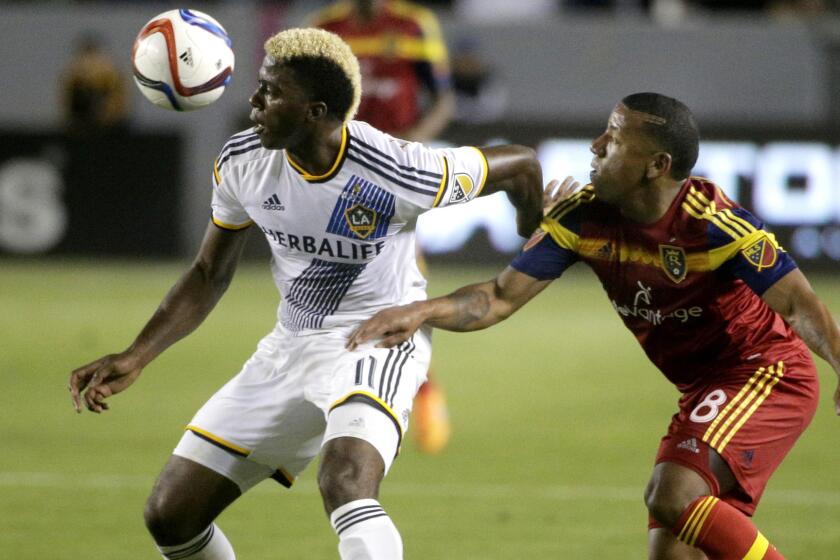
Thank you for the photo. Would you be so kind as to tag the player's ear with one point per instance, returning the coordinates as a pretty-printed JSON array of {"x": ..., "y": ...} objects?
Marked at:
[
  {"x": 659, "y": 165},
  {"x": 316, "y": 111}
]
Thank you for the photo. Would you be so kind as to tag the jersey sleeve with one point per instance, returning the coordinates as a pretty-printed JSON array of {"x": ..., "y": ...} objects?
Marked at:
[
  {"x": 542, "y": 258},
  {"x": 227, "y": 212},
  {"x": 742, "y": 246}
]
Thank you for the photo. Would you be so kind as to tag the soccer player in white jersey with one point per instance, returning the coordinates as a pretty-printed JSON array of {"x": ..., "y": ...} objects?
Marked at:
[{"x": 337, "y": 201}]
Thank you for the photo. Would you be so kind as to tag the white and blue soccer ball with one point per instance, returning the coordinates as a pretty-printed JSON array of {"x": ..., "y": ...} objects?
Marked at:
[{"x": 182, "y": 60}]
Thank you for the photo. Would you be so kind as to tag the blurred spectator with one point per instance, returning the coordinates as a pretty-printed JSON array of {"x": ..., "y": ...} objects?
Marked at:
[
  {"x": 481, "y": 97},
  {"x": 406, "y": 82},
  {"x": 93, "y": 90}
]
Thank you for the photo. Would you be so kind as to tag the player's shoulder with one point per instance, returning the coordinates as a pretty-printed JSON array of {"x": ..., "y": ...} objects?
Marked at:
[
  {"x": 724, "y": 219},
  {"x": 240, "y": 147},
  {"x": 572, "y": 205},
  {"x": 365, "y": 139},
  {"x": 423, "y": 17},
  {"x": 332, "y": 14}
]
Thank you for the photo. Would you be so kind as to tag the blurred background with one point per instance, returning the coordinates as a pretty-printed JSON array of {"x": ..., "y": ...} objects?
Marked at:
[
  {"x": 762, "y": 76},
  {"x": 104, "y": 198}
]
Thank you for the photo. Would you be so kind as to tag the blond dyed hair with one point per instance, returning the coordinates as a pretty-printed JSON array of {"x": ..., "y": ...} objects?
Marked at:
[{"x": 312, "y": 43}]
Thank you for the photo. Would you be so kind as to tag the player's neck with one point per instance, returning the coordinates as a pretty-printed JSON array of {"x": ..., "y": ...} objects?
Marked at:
[
  {"x": 651, "y": 202},
  {"x": 318, "y": 152}
]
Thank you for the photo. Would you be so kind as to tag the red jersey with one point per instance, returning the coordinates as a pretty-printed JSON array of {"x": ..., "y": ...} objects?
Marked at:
[
  {"x": 401, "y": 52},
  {"x": 688, "y": 286}
]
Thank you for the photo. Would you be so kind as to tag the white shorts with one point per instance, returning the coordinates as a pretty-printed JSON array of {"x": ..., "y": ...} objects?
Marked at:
[{"x": 273, "y": 417}]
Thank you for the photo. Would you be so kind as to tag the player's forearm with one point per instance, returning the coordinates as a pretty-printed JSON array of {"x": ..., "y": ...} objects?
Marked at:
[
  {"x": 183, "y": 309},
  {"x": 516, "y": 171},
  {"x": 813, "y": 322},
  {"x": 470, "y": 308}
]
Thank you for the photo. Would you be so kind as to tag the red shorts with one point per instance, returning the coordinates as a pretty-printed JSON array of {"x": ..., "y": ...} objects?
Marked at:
[{"x": 751, "y": 415}]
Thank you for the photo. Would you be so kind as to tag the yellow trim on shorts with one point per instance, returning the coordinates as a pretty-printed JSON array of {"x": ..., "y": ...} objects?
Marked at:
[
  {"x": 374, "y": 398},
  {"x": 220, "y": 441},
  {"x": 748, "y": 399}
]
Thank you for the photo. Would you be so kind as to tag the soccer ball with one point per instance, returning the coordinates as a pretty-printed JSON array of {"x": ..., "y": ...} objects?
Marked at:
[{"x": 182, "y": 60}]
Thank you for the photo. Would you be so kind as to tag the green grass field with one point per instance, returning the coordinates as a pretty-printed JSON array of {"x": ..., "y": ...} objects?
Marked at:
[{"x": 556, "y": 415}]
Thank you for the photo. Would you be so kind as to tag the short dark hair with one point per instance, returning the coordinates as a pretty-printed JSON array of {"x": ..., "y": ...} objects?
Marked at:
[
  {"x": 324, "y": 80},
  {"x": 678, "y": 134}
]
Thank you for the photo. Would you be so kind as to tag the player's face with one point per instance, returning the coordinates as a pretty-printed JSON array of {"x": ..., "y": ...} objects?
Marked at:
[
  {"x": 621, "y": 155},
  {"x": 279, "y": 106}
]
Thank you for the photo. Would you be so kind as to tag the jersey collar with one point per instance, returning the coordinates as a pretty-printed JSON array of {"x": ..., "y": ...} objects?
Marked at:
[{"x": 310, "y": 178}]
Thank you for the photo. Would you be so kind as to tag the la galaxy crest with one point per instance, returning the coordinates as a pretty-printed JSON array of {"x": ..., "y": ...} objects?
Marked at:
[
  {"x": 361, "y": 220},
  {"x": 761, "y": 254},
  {"x": 674, "y": 262},
  {"x": 363, "y": 211}
]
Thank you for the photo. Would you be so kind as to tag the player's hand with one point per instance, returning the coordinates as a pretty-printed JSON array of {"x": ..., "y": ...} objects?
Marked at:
[
  {"x": 555, "y": 191},
  {"x": 393, "y": 326},
  {"x": 98, "y": 380}
]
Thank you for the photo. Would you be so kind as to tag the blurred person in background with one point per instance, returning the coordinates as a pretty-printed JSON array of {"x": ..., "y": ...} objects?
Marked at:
[
  {"x": 406, "y": 92},
  {"x": 337, "y": 201},
  {"x": 93, "y": 90},
  {"x": 718, "y": 306},
  {"x": 481, "y": 96}
]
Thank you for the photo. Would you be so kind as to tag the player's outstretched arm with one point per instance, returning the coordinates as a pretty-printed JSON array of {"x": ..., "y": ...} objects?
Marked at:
[
  {"x": 793, "y": 298},
  {"x": 186, "y": 305},
  {"x": 516, "y": 171},
  {"x": 470, "y": 308}
]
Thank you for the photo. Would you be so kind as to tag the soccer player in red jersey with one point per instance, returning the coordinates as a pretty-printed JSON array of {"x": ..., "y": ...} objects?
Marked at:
[
  {"x": 406, "y": 82},
  {"x": 716, "y": 303},
  {"x": 406, "y": 92}
]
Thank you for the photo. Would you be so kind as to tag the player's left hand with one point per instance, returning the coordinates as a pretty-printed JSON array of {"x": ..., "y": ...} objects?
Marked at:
[
  {"x": 554, "y": 193},
  {"x": 393, "y": 326}
]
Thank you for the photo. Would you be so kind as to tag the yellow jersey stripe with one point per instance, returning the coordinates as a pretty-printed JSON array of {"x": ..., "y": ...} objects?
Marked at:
[
  {"x": 562, "y": 236},
  {"x": 232, "y": 227},
  {"x": 702, "y": 214},
  {"x": 220, "y": 441},
  {"x": 485, "y": 167},
  {"x": 307, "y": 176},
  {"x": 401, "y": 47},
  {"x": 736, "y": 218},
  {"x": 565, "y": 206},
  {"x": 773, "y": 381},
  {"x": 727, "y": 216},
  {"x": 758, "y": 549},
  {"x": 443, "y": 181},
  {"x": 216, "y": 175},
  {"x": 701, "y": 520}
]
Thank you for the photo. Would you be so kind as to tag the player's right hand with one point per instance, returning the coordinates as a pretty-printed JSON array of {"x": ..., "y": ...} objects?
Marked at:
[
  {"x": 554, "y": 193},
  {"x": 390, "y": 327},
  {"x": 100, "y": 379}
]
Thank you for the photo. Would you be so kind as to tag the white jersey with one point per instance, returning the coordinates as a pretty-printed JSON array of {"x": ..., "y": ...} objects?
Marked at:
[{"x": 342, "y": 242}]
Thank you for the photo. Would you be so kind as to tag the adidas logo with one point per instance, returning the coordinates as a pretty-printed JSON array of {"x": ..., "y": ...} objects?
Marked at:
[
  {"x": 689, "y": 445},
  {"x": 187, "y": 56},
  {"x": 273, "y": 203}
]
